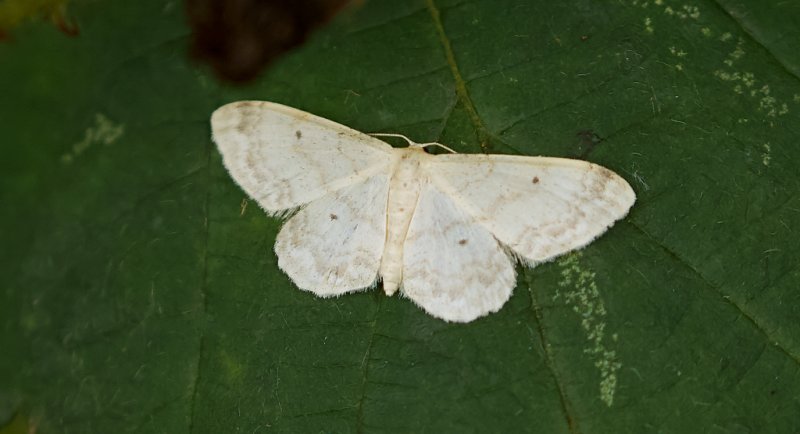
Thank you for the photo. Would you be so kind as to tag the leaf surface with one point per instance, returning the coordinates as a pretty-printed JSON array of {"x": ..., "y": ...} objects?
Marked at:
[{"x": 140, "y": 292}]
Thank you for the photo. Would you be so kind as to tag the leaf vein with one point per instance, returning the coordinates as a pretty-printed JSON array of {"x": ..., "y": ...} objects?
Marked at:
[
  {"x": 461, "y": 86},
  {"x": 365, "y": 373},
  {"x": 203, "y": 299},
  {"x": 566, "y": 407},
  {"x": 754, "y": 322}
]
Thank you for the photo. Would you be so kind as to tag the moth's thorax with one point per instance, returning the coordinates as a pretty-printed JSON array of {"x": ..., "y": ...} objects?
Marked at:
[{"x": 404, "y": 190}]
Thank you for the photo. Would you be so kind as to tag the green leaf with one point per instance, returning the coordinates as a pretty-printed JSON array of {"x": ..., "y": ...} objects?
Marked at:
[{"x": 140, "y": 292}]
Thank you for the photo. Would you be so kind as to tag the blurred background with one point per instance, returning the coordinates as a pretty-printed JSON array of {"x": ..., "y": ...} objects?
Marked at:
[{"x": 138, "y": 287}]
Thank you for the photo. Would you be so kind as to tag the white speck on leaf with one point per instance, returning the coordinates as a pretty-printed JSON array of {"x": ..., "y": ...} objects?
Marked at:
[
  {"x": 585, "y": 299},
  {"x": 104, "y": 132}
]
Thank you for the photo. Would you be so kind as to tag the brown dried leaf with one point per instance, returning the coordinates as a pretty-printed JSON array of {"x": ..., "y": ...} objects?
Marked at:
[{"x": 238, "y": 38}]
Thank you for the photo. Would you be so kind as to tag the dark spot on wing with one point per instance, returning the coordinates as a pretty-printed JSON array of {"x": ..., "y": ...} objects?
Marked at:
[
  {"x": 462, "y": 241},
  {"x": 298, "y": 134},
  {"x": 535, "y": 180},
  {"x": 334, "y": 217}
]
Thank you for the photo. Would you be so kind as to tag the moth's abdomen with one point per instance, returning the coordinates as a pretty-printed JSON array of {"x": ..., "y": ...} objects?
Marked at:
[{"x": 404, "y": 189}]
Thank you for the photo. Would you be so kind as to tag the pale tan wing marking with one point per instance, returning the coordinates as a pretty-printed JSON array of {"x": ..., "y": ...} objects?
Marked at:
[
  {"x": 537, "y": 206},
  {"x": 334, "y": 244},
  {"x": 452, "y": 266},
  {"x": 284, "y": 157}
]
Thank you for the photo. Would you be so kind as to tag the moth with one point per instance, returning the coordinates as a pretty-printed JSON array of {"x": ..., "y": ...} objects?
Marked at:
[{"x": 445, "y": 230}]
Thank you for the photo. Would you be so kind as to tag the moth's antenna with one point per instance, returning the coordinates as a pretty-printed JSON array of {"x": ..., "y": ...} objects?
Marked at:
[
  {"x": 423, "y": 145},
  {"x": 412, "y": 143}
]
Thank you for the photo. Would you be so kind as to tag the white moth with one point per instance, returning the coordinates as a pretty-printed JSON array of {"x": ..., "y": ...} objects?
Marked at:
[{"x": 445, "y": 230}]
